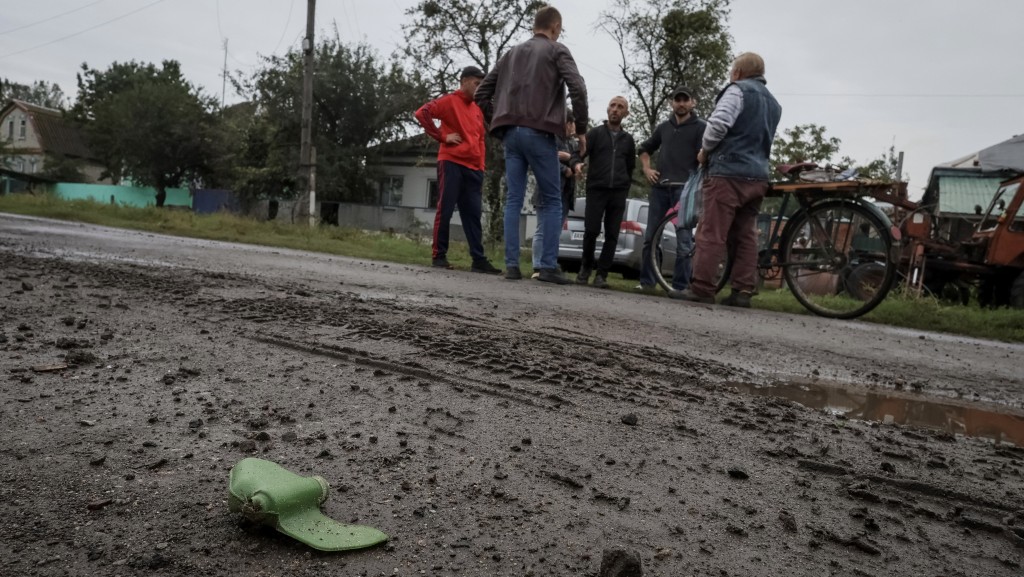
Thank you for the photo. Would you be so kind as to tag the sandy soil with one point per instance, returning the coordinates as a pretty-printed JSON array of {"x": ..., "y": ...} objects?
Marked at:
[{"x": 490, "y": 427}]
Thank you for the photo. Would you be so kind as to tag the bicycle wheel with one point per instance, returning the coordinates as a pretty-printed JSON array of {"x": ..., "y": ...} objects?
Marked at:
[
  {"x": 663, "y": 254},
  {"x": 837, "y": 259}
]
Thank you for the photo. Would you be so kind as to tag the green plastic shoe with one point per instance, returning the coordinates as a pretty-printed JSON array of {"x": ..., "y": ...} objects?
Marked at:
[{"x": 267, "y": 493}]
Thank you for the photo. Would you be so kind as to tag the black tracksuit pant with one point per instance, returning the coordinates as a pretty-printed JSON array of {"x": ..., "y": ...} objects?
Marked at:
[{"x": 605, "y": 206}]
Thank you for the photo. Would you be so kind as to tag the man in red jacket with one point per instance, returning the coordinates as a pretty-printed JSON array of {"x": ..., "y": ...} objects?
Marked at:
[{"x": 460, "y": 167}]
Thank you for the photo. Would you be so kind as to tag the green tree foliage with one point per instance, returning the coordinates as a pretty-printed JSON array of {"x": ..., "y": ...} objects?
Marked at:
[
  {"x": 360, "y": 101},
  {"x": 40, "y": 93},
  {"x": 62, "y": 168},
  {"x": 804, "y": 143},
  {"x": 666, "y": 44},
  {"x": 810, "y": 143},
  {"x": 250, "y": 161},
  {"x": 886, "y": 167},
  {"x": 146, "y": 123},
  {"x": 447, "y": 35}
]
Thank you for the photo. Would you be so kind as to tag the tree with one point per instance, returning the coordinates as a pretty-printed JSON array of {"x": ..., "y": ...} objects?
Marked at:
[
  {"x": 804, "y": 143},
  {"x": 60, "y": 168},
  {"x": 447, "y": 35},
  {"x": 40, "y": 93},
  {"x": 146, "y": 123},
  {"x": 666, "y": 44},
  {"x": 886, "y": 167},
  {"x": 250, "y": 161},
  {"x": 810, "y": 143},
  {"x": 360, "y": 100}
]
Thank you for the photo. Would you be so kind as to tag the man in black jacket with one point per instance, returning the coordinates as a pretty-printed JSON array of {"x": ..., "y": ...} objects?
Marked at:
[
  {"x": 611, "y": 154},
  {"x": 679, "y": 140}
]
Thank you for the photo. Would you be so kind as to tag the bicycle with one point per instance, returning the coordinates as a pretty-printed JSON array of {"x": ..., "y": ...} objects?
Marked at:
[
  {"x": 663, "y": 253},
  {"x": 836, "y": 253}
]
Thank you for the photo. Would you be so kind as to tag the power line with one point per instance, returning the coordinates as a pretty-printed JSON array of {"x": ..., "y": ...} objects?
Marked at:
[
  {"x": 80, "y": 32},
  {"x": 43, "y": 21},
  {"x": 285, "y": 31},
  {"x": 896, "y": 95}
]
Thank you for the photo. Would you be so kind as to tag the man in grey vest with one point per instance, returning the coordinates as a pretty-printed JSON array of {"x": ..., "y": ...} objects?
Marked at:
[{"x": 736, "y": 147}]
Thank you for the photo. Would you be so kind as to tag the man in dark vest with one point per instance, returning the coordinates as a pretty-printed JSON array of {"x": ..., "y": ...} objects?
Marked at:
[{"x": 736, "y": 147}]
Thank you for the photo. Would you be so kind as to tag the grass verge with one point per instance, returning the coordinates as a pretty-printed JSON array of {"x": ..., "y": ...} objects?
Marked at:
[{"x": 897, "y": 310}]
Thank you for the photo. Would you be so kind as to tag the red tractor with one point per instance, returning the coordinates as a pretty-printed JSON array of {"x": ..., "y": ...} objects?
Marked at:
[{"x": 992, "y": 259}]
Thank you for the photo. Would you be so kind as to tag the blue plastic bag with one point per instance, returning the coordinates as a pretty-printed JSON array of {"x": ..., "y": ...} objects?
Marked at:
[{"x": 691, "y": 201}]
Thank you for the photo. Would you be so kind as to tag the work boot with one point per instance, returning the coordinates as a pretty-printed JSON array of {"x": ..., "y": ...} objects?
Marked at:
[
  {"x": 689, "y": 296},
  {"x": 583, "y": 277},
  {"x": 600, "y": 280},
  {"x": 513, "y": 273},
  {"x": 441, "y": 262},
  {"x": 552, "y": 275},
  {"x": 484, "y": 266},
  {"x": 737, "y": 299}
]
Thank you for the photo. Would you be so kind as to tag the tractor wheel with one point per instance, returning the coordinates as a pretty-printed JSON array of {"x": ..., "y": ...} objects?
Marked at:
[{"x": 1017, "y": 292}]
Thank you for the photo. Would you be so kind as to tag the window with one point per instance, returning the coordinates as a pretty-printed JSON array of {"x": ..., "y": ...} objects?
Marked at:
[
  {"x": 10, "y": 129},
  {"x": 391, "y": 191},
  {"x": 641, "y": 217},
  {"x": 21, "y": 133},
  {"x": 433, "y": 193}
]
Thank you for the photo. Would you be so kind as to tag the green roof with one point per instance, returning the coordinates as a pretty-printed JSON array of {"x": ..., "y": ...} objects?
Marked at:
[{"x": 960, "y": 194}]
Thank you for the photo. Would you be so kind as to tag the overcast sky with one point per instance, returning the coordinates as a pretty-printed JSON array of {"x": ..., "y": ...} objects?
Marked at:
[{"x": 938, "y": 78}]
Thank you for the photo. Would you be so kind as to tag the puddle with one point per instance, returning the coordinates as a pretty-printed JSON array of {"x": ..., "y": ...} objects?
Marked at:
[{"x": 895, "y": 407}]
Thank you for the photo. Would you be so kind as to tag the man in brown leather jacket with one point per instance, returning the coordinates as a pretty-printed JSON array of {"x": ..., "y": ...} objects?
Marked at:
[{"x": 523, "y": 99}]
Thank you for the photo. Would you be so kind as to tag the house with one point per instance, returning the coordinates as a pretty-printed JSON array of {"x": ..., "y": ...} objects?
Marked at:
[
  {"x": 34, "y": 135},
  {"x": 956, "y": 188},
  {"x": 408, "y": 170},
  {"x": 407, "y": 192}
]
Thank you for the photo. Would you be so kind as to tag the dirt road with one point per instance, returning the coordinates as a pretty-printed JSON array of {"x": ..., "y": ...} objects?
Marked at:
[{"x": 490, "y": 427}]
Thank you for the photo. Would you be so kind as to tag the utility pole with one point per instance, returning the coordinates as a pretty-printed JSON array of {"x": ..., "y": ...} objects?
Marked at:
[
  {"x": 224, "y": 75},
  {"x": 306, "y": 167}
]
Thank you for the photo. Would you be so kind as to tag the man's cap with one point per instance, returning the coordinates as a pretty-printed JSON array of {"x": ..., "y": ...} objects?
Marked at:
[
  {"x": 471, "y": 72},
  {"x": 682, "y": 90}
]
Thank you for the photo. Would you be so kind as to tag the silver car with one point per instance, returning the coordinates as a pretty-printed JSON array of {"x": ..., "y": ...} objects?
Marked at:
[{"x": 629, "y": 249}]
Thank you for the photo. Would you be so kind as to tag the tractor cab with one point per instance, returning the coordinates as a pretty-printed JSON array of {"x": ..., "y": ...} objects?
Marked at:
[{"x": 999, "y": 236}]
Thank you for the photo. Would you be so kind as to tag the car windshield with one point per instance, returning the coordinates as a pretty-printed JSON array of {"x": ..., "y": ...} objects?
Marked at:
[{"x": 641, "y": 217}]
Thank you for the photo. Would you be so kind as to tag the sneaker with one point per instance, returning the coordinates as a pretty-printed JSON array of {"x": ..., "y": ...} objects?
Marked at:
[
  {"x": 513, "y": 273},
  {"x": 689, "y": 296},
  {"x": 739, "y": 299},
  {"x": 647, "y": 289},
  {"x": 600, "y": 281},
  {"x": 583, "y": 277},
  {"x": 485, "y": 267},
  {"x": 552, "y": 275},
  {"x": 535, "y": 275},
  {"x": 441, "y": 263}
]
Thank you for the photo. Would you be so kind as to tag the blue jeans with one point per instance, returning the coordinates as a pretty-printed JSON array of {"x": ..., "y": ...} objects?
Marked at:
[
  {"x": 529, "y": 148},
  {"x": 661, "y": 200},
  {"x": 538, "y": 235}
]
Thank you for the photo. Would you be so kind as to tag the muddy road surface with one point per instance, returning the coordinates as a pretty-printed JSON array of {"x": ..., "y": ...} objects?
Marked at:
[{"x": 490, "y": 427}]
